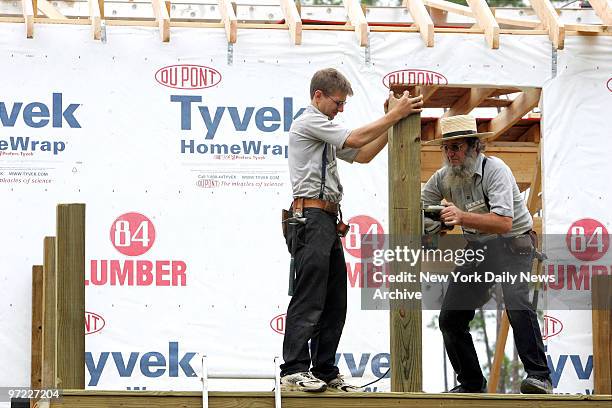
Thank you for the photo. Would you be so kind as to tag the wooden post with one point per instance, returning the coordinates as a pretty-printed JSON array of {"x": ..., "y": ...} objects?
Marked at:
[
  {"x": 70, "y": 278},
  {"x": 405, "y": 229},
  {"x": 500, "y": 346},
  {"x": 49, "y": 314},
  {"x": 601, "y": 293},
  {"x": 37, "y": 306}
]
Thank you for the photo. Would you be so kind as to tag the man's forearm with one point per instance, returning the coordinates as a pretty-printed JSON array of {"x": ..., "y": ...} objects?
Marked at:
[
  {"x": 360, "y": 137},
  {"x": 369, "y": 151},
  {"x": 488, "y": 223}
]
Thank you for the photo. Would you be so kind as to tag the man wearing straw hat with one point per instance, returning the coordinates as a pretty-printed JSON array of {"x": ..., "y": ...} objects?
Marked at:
[{"x": 481, "y": 196}]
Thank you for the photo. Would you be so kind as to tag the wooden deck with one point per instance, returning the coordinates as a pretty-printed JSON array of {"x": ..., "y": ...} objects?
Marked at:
[{"x": 146, "y": 399}]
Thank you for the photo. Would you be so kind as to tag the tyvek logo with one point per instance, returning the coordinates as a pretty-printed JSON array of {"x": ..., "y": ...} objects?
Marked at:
[
  {"x": 414, "y": 77},
  {"x": 552, "y": 327},
  {"x": 188, "y": 76},
  {"x": 93, "y": 323},
  {"x": 278, "y": 323}
]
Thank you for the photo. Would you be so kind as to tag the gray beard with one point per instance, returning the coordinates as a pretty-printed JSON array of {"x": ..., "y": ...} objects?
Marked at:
[{"x": 461, "y": 174}]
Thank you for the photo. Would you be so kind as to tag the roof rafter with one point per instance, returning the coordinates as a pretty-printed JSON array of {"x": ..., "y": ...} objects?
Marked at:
[
  {"x": 28, "y": 17},
  {"x": 162, "y": 16},
  {"x": 486, "y": 21},
  {"x": 293, "y": 20},
  {"x": 522, "y": 104},
  {"x": 95, "y": 14},
  {"x": 228, "y": 18},
  {"x": 49, "y": 10},
  {"x": 422, "y": 20},
  {"x": 603, "y": 10},
  {"x": 357, "y": 20},
  {"x": 548, "y": 15}
]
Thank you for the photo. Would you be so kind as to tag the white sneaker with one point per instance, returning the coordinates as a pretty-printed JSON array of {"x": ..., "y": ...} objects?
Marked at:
[
  {"x": 338, "y": 384},
  {"x": 303, "y": 381}
]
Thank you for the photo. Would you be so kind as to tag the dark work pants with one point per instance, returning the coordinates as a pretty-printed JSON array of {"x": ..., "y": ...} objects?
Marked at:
[
  {"x": 317, "y": 309},
  {"x": 458, "y": 309}
]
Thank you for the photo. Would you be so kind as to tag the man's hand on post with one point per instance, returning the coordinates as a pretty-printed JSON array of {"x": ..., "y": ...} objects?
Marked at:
[{"x": 405, "y": 105}]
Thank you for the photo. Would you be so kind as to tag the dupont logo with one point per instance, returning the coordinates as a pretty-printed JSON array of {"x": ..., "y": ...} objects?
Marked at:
[
  {"x": 188, "y": 76},
  {"x": 93, "y": 323},
  {"x": 552, "y": 327},
  {"x": 278, "y": 323},
  {"x": 414, "y": 77},
  {"x": 609, "y": 84}
]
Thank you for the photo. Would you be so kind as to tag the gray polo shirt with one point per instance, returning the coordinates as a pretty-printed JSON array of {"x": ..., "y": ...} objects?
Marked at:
[
  {"x": 307, "y": 138},
  {"x": 500, "y": 187}
]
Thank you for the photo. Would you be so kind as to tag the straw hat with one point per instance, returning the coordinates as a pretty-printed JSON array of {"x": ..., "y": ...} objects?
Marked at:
[{"x": 457, "y": 127}]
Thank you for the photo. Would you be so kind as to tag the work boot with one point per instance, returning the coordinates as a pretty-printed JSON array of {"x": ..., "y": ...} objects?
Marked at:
[
  {"x": 534, "y": 384},
  {"x": 462, "y": 389},
  {"x": 303, "y": 381},
  {"x": 339, "y": 385}
]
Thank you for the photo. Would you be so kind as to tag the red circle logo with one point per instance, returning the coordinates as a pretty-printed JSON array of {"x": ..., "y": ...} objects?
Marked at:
[
  {"x": 365, "y": 236},
  {"x": 587, "y": 239},
  {"x": 609, "y": 84},
  {"x": 132, "y": 234}
]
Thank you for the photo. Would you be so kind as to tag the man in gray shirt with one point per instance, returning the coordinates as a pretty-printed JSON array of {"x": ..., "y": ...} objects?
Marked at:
[
  {"x": 317, "y": 309},
  {"x": 482, "y": 197}
]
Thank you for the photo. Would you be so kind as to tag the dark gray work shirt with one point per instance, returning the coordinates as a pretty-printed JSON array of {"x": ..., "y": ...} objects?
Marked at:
[
  {"x": 498, "y": 184},
  {"x": 307, "y": 138}
]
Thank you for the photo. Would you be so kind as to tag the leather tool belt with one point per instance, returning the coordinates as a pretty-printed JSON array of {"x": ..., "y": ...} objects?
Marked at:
[{"x": 300, "y": 203}]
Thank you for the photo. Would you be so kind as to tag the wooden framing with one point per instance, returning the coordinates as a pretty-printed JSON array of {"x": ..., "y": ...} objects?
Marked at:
[
  {"x": 357, "y": 20},
  {"x": 37, "y": 322},
  {"x": 49, "y": 314},
  {"x": 548, "y": 15},
  {"x": 161, "y": 10},
  {"x": 228, "y": 18},
  {"x": 95, "y": 15},
  {"x": 293, "y": 20},
  {"x": 486, "y": 21},
  {"x": 601, "y": 294},
  {"x": 523, "y": 103},
  {"x": 49, "y": 10},
  {"x": 603, "y": 10},
  {"x": 28, "y": 17},
  {"x": 422, "y": 20}
]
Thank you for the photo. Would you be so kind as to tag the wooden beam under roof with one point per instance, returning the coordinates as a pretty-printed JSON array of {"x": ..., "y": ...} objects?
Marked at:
[
  {"x": 450, "y": 7},
  {"x": 603, "y": 10},
  {"x": 548, "y": 15},
  {"x": 162, "y": 16},
  {"x": 228, "y": 18},
  {"x": 293, "y": 20},
  {"x": 95, "y": 15},
  {"x": 422, "y": 20},
  {"x": 472, "y": 98},
  {"x": 28, "y": 17},
  {"x": 522, "y": 104},
  {"x": 357, "y": 20},
  {"x": 49, "y": 10},
  {"x": 486, "y": 21}
]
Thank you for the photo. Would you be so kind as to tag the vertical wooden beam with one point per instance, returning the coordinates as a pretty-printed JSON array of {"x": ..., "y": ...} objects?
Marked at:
[
  {"x": 405, "y": 229},
  {"x": 422, "y": 20},
  {"x": 95, "y": 15},
  {"x": 486, "y": 21},
  {"x": 70, "y": 278},
  {"x": 49, "y": 315},
  {"x": 163, "y": 19},
  {"x": 603, "y": 10},
  {"x": 228, "y": 18},
  {"x": 498, "y": 358},
  {"x": 548, "y": 15},
  {"x": 37, "y": 321},
  {"x": 101, "y": 5},
  {"x": 293, "y": 20},
  {"x": 534, "y": 201},
  {"x": 601, "y": 292},
  {"x": 357, "y": 20},
  {"x": 28, "y": 16}
]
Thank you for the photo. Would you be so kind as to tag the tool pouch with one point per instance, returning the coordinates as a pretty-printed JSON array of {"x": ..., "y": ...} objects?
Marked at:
[
  {"x": 521, "y": 245},
  {"x": 284, "y": 217}
]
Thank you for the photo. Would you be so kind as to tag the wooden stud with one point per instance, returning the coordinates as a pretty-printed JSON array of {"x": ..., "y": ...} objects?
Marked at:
[
  {"x": 95, "y": 15},
  {"x": 163, "y": 19},
  {"x": 449, "y": 7},
  {"x": 28, "y": 16},
  {"x": 498, "y": 358},
  {"x": 49, "y": 314},
  {"x": 589, "y": 28},
  {"x": 228, "y": 18},
  {"x": 37, "y": 322},
  {"x": 486, "y": 21},
  {"x": 472, "y": 98},
  {"x": 50, "y": 10},
  {"x": 357, "y": 20},
  {"x": 439, "y": 17},
  {"x": 548, "y": 15},
  {"x": 70, "y": 283},
  {"x": 603, "y": 10},
  {"x": 517, "y": 22},
  {"x": 101, "y": 5},
  {"x": 293, "y": 20},
  {"x": 534, "y": 201},
  {"x": 601, "y": 293},
  {"x": 523, "y": 103},
  {"x": 405, "y": 229},
  {"x": 422, "y": 20}
]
